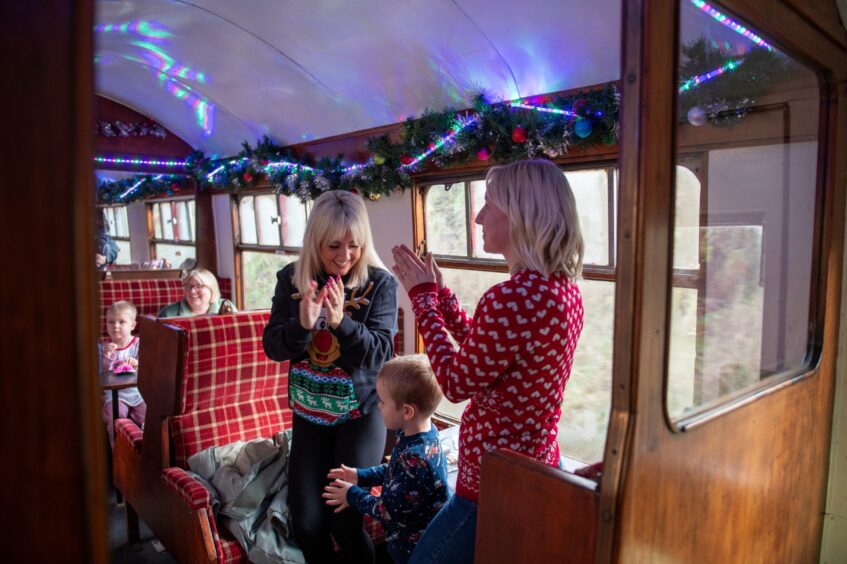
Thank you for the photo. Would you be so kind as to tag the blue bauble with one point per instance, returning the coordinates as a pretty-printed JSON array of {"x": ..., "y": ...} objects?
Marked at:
[{"x": 583, "y": 127}]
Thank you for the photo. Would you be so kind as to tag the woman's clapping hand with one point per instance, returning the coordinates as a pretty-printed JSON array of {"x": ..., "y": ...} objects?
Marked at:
[
  {"x": 310, "y": 305},
  {"x": 411, "y": 270}
]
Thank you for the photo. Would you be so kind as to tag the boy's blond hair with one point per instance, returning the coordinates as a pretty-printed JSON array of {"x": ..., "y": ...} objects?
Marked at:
[
  {"x": 122, "y": 306},
  {"x": 410, "y": 379}
]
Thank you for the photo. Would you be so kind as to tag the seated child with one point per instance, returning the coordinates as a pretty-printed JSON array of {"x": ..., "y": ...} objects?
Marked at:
[
  {"x": 414, "y": 481},
  {"x": 120, "y": 356}
]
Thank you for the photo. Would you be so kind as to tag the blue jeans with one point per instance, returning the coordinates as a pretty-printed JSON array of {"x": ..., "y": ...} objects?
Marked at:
[{"x": 450, "y": 537}]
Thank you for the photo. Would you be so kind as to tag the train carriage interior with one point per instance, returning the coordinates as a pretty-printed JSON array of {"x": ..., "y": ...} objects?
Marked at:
[{"x": 705, "y": 413}]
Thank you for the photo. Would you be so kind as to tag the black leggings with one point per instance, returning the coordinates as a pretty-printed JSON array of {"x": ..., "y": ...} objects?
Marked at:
[{"x": 315, "y": 450}]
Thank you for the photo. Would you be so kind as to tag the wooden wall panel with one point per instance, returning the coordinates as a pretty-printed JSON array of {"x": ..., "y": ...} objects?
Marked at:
[
  {"x": 749, "y": 485},
  {"x": 529, "y": 512},
  {"x": 171, "y": 147},
  {"x": 54, "y": 478}
]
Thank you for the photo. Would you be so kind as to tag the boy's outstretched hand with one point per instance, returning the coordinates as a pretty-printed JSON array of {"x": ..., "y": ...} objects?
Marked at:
[
  {"x": 344, "y": 473},
  {"x": 335, "y": 493}
]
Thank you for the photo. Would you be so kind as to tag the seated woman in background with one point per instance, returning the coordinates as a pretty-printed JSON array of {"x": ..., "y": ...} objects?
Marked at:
[{"x": 202, "y": 295}]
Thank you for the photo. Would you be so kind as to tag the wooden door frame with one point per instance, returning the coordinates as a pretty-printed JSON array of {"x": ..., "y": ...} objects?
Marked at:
[{"x": 639, "y": 432}]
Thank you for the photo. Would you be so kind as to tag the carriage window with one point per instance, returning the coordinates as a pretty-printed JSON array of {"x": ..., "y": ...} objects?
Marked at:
[
  {"x": 746, "y": 222},
  {"x": 118, "y": 227},
  {"x": 172, "y": 231},
  {"x": 456, "y": 241},
  {"x": 270, "y": 233}
]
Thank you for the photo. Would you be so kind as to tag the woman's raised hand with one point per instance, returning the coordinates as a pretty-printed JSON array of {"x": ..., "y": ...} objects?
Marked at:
[
  {"x": 310, "y": 305},
  {"x": 334, "y": 301},
  {"x": 411, "y": 270}
]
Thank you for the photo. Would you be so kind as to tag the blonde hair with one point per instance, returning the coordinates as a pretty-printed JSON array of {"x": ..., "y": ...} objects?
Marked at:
[
  {"x": 333, "y": 215},
  {"x": 122, "y": 306},
  {"x": 410, "y": 379},
  {"x": 207, "y": 279},
  {"x": 543, "y": 223}
]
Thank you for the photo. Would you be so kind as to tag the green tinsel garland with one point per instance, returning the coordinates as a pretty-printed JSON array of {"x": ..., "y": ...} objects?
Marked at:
[{"x": 726, "y": 99}]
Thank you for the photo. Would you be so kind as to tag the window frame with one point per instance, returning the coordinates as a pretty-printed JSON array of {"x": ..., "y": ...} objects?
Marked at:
[
  {"x": 422, "y": 184},
  {"x": 153, "y": 241},
  {"x": 599, "y": 273},
  {"x": 113, "y": 232},
  {"x": 240, "y": 247}
]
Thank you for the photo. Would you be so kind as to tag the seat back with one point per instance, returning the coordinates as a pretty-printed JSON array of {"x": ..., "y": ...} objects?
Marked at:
[
  {"x": 227, "y": 389},
  {"x": 148, "y": 295}
]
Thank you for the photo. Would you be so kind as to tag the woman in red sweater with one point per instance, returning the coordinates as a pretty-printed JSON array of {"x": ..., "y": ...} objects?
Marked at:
[{"x": 515, "y": 355}]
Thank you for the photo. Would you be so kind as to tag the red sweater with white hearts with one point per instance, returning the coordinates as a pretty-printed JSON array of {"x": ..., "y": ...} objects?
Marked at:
[{"x": 513, "y": 362}]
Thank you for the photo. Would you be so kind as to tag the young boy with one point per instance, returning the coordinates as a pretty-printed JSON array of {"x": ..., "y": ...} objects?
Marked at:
[
  {"x": 120, "y": 356},
  {"x": 414, "y": 481}
]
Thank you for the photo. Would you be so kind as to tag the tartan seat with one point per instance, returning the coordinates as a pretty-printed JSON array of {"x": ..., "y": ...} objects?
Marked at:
[
  {"x": 207, "y": 382},
  {"x": 148, "y": 296}
]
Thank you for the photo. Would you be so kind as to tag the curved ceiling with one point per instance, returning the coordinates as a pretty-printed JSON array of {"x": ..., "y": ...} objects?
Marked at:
[{"x": 217, "y": 72}]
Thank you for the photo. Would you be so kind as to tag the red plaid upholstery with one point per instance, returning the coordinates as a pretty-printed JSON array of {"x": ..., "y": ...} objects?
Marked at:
[
  {"x": 229, "y": 551},
  {"x": 197, "y": 497},
  {"x": 148, "y": 296},
  {"x": 127, "y": 430},
  {"x": 230, "y": 389},
  {"x": 225, "y": 284},
  {"x": 189, "y": 489}
]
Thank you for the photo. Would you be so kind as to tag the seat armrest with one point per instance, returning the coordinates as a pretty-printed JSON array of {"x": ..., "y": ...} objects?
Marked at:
[
  {"x": 195, "y": 495},
  {"x": 126, "y": 430}
]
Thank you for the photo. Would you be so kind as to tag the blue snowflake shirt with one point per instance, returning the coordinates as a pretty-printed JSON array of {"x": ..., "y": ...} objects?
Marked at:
[{"x": 414, "y": 488}]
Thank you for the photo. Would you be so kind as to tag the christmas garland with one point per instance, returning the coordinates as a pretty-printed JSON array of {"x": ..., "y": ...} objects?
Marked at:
[
  {"x": 139, "y": 187},
  {"x": 724, "y": 99},
  {"x": 120, "y": 128},
  {"x": 499, "y": 132}
]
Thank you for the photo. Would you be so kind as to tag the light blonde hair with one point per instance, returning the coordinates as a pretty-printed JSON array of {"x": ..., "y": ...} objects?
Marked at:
[
  {"x": 120, "y": 307},
  {"x": 543, "y": 222},
  {"x": 207, "y": 279},
  {"x": 333, "y": 215},
  {"x": 410, "y": 379}
]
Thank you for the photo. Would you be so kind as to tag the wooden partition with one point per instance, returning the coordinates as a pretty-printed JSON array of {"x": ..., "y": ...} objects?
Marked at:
[
  {"x": 140, "y": 274},
  {"x": 530, "y": 512},
  {"x": 747, "y": 483}
]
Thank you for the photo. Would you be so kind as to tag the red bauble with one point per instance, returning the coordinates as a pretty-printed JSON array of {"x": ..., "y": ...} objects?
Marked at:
[
  {"x": 519, "y": 134},
  {"x": 406, "y": 160},
  {"x": 580, "y": 105},
  {"x": 247, "y": 177},
  {"x": 174, "y": 187},
  {"x": 483, "y": 154}
]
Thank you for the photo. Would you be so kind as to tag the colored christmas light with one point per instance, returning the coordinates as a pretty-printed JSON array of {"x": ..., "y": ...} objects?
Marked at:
[
  {"x": 457, "y": 128},
  {"x": 696, "y": 81},
  {"x": 149, "y": 30},
  {"x": 520, "y": 104},
  {"x": 138, "y": 162},
  {"x": 725, "y": 20}
]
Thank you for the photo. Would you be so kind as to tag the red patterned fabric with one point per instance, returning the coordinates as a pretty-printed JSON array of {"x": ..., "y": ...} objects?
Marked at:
[
  {"x": 189, "y": 489},
  {"x": 514, "y": 359},
  {"x": 198, "y": 499},
  {"x": 126, "y": 430},
  {"x": 225, "y": 285},
  {"x": 229, "y": 389},
  {"x": 229, "y": 550},
  {"x": 148, "y": 296}
]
